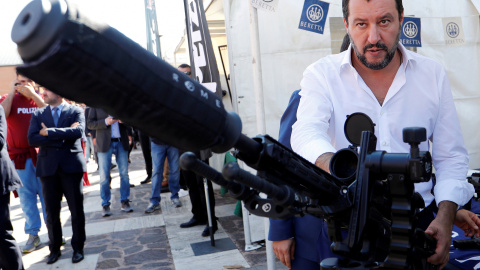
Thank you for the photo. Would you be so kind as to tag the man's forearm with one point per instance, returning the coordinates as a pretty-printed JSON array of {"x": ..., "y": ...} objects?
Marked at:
[
  {"x": 447, "y": 211},
  {"x": 38, "y": 101},
  {"x": 323, "y": 161}
]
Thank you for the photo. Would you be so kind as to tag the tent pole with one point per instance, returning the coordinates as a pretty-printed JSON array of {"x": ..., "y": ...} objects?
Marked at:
[
  {"x": 257, "y": 71},
  {"x": 259, "y": 107}
]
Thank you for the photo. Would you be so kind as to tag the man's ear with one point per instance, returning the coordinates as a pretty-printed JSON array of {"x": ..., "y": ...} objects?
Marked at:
[
  {"x": 401, "y": 18},
  {"x": 345, "y": 22}
]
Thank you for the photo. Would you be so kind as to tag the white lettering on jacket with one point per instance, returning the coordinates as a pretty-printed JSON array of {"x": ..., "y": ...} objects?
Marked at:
[{"x": 26, "y": 110}]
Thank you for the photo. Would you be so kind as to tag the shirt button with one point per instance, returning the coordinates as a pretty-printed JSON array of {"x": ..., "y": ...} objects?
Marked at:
[{"x": 384, "y": 143}]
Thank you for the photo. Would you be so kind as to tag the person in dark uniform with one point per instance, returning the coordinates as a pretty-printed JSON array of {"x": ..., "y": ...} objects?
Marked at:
[{"x": 10, "y": 256}]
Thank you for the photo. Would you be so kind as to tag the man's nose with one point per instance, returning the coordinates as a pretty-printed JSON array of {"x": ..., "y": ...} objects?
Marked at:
[{"x": 373, "y": 35}]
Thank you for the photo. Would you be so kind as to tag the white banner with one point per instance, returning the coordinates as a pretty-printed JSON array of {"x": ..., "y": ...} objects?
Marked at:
[
  {"x": 269, "y": 5},
  {"x": 476, "y": 3},
  {"x": 286, "y": 61},
  {"x": 453, "y": 31},
  {"x": 202, "y": 57}
]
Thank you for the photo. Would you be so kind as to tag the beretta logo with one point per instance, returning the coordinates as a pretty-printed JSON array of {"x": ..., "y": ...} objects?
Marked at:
[
  {"x": 452, "y": 30},
  {"x": 314, "y": 13},
  {"x": 410, "y": 29}
]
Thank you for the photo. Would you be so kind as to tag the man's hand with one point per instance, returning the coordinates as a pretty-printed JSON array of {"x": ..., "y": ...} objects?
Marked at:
[
  {"x": 74, "y": 125},
  {"x": 130, "y": 140},
  {"x": 15, "y": 86},
  {"x": 468, "y": 222},
  {"x": 44, "y": 130},
  {"x": 441, "y": 229},
  {"x": 26, "y": 90},
  {"x": 285, "y": 250},
  {"x": 109, "y": 120}
]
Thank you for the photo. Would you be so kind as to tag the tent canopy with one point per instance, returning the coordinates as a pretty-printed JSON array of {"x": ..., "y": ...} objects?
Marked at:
[{"x": 287, "y": 50}]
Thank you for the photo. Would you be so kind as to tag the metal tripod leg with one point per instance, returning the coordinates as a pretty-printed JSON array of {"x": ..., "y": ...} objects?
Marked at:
[{"x": 209, "y": 213}]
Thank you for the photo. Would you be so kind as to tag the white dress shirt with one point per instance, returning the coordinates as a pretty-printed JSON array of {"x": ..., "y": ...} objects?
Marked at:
[
  {"x": 115, "y": 129},
  {"x": 419, "y": 96}
]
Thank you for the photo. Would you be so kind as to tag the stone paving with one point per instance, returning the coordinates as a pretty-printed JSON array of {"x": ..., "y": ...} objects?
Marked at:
[{"x": 143, "y": 241}]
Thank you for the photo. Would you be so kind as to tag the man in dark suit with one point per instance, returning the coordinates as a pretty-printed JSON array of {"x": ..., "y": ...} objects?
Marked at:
[
  {"x": 89, "y": 149},
  {"x": 112, "y": 137},
  {"x": 10, "y": 256},
  {"x": 147, "y": 155},
  {"x": 298, "y": 242},
  {"x": 196, "y": 188},
  {"x": 57, "y": 129}
]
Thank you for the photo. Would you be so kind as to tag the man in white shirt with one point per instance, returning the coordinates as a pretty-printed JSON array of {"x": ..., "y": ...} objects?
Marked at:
[{"x": 396, "y": 88}]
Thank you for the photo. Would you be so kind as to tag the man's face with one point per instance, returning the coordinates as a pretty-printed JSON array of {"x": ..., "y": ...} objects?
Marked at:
[
  {"x": 50, "y": 98},
  {"x": 24, "y": 80},
  {"x": 374, "y": 31},
  {"x": 186, "y": 70}
]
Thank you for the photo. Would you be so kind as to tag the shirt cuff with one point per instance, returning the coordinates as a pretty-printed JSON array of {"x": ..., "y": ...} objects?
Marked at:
[
  {"x": 459, "y": 192},
  {"x": 314, "y": 149}
]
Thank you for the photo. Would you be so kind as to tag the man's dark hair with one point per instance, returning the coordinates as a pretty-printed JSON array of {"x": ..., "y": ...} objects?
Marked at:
[
  {"x": 184, "y": 66},
  {"x": 345, "y": 43},
  {"x": 346, "y": 12}
]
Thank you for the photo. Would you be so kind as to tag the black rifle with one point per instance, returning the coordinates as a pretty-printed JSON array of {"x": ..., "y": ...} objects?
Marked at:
[
  {"x": 92, "y": 63},
  {"x": 473, "y": 243}
]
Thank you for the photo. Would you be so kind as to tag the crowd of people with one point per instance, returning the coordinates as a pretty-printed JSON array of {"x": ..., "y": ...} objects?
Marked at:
[{"x": 46, "y": 142}]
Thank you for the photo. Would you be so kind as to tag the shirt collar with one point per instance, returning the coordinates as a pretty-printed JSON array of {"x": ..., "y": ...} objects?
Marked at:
[
  {"x": 407, "y": 55},
  {"x": 60, "y": 107},
  {"x": 347, "y": 58}
]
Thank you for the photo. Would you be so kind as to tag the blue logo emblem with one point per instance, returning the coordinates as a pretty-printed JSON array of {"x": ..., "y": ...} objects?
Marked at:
[
  {"x": 410, "y": 34},
  {"x": 452, "y": 30},
  {"x": 410, "y": 29},
  {"x": 314, "y": 13},
  {"x": 314, "y": 16}
]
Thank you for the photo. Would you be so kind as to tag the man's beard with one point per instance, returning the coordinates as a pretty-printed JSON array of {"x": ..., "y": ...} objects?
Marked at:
[{"x": 376, "y": 66}]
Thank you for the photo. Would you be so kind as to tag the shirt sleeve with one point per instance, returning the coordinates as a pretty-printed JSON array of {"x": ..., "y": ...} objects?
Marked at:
[
  {"x": 3, "y": 98},
  {"x": 450, "y": 157},
  {"x": 310, "y": 133}
]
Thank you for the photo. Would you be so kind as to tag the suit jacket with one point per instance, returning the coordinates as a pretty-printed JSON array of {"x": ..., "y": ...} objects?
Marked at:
[
  {"x": 63, "y": 145},
  {"x": 103, "y": 133},
  {"x": 310, "y": 232},
  {"x": 87, "y": 130},
  {"x": 9, "y": 177}
]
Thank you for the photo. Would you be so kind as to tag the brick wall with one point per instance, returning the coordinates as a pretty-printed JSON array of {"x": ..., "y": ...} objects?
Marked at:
[{"x": 7, "y": 75}]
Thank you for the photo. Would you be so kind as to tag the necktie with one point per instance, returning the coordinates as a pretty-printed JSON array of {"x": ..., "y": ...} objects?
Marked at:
[{"x": 55, "y": 115}]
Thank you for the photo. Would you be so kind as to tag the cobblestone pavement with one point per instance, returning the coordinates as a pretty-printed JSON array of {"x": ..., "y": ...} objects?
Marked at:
[{"x": 137, "y": 240}]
